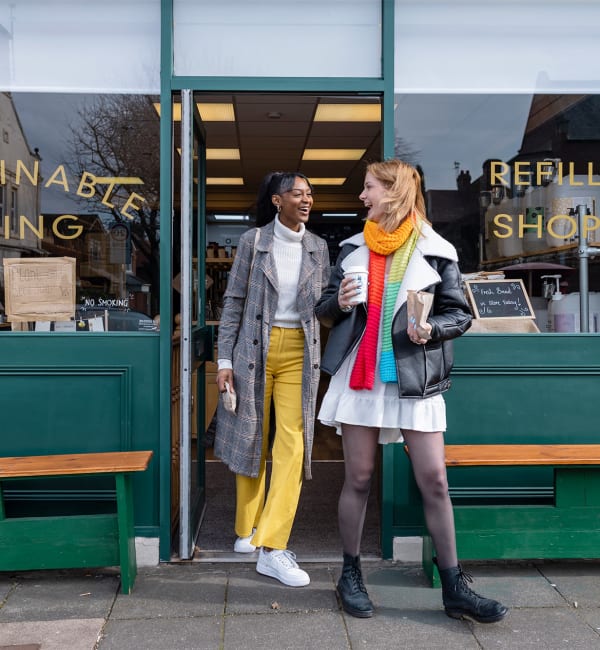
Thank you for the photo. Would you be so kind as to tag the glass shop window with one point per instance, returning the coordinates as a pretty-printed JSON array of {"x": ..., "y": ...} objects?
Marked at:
[
  {"x": 513, "y": 181},
  {"x": 80, "y": 222}
]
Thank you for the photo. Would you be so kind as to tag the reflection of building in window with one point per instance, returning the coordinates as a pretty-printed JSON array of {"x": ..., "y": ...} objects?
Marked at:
[
  {"x": 14, "y": 211},
  {"x": 454, "y": 214},
  {"x": 89, "y": 239},
  {"x": 554, "y": 170},
  {"x": 19, "y": 198},
  {"x": 94, "y": 251}
]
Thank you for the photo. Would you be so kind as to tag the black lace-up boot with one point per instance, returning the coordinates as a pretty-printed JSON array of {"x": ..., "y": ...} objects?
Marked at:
[
  {"x": 460, "y": 600},
  {"x": 351, "y": 589}
]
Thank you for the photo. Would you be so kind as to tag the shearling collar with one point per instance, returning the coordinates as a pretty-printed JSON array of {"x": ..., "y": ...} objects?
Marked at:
[{"x": 428, "y": 243}]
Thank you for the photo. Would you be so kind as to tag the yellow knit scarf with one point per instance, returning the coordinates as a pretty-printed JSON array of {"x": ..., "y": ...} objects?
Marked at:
[{"x": 384, "y": 243}]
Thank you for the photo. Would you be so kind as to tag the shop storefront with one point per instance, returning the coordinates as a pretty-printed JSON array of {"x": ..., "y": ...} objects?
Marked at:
[{"x": 134, "y": 137}]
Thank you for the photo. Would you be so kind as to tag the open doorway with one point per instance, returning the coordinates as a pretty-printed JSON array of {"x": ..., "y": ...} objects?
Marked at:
[{"x": 329, "y": 139}]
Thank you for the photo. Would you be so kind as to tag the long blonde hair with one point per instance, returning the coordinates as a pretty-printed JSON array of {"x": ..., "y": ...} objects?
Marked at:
[{"x": 404, "y": 197}]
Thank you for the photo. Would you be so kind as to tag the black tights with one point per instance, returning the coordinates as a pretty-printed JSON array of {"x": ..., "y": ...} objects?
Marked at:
[{"x": 427, "y": 458}]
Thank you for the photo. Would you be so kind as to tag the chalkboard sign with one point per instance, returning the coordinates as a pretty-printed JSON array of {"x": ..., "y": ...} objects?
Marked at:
[{"x": 499, "y": 299}]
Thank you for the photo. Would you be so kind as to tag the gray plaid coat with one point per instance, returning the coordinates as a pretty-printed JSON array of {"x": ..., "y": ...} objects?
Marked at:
[{"x": 244, "y": 331}]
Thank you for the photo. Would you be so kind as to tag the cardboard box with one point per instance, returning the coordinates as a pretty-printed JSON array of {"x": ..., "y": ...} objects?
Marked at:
[{"x": 39, "y": 289}]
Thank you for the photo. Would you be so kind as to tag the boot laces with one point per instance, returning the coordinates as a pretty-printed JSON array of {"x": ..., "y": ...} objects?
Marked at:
[
  {"x": 463, "y": 582},
  {"x": 357, "y": 580}
]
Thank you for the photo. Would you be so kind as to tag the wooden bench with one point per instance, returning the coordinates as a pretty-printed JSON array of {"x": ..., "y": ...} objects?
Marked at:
[
  {"x": 73, "y": 541},
  {"x": 569, "y": 528}
]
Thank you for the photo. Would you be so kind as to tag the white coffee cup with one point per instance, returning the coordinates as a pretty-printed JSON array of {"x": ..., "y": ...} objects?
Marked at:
[{"x": 360, "y": 275}]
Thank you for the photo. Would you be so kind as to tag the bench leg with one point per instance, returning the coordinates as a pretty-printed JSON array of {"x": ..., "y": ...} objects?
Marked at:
[
  {"x": 2, "y": 513},
  {"x": 429, "y": 567},
  {"x": 126, "y": 531}
]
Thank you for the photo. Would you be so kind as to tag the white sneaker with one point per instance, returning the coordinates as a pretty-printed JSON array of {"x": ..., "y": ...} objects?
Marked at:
[
  {"x": 282, "y": 566},
  {"x": 243, "y": 545}
]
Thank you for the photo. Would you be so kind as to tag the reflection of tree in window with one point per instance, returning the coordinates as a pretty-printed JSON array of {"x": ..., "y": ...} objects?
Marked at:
[
  {"x": 404, "y": 150},
  {"x": 118, "y": 137}
]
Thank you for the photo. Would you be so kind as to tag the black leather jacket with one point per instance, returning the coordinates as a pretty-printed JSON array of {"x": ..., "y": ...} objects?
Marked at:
[{"x": 423, "y": 370}]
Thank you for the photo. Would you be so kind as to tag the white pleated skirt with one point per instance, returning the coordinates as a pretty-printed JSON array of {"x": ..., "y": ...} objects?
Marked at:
[{"x": 380, "y": 407}]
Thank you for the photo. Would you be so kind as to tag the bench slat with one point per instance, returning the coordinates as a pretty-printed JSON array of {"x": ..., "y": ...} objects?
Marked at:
[
  {"x": 110, "y": 462},
  {"x": 470, "y": 455}
]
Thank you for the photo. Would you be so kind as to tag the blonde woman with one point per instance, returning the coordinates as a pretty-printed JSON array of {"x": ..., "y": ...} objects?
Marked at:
[{"x": 387, "y": 380}]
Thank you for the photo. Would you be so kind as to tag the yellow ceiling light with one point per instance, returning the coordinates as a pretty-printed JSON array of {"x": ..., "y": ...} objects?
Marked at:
[
  {"x": 218, "y": 154},
  {"x": 176, "y": 111},
  {"x": 179, "y": 152},
  {"x": 327, "y": 181},
  {"x": 216, "y": 112},
  {"x": 222, "y": 154},
  {"x": 208, "y": 112},
  {"x": 348, "y": 113},
  {"x": 333, "y": 154},
  {"x": 223, "y": 180}
]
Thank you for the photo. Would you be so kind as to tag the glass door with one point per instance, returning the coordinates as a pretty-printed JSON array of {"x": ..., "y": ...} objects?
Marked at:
[{"x": 195, "y": 346}]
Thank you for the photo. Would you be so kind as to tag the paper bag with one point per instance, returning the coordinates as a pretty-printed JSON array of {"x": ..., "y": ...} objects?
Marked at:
[
  {"x": 229, "y": 398},
  {"x": 418, "y": 305}
]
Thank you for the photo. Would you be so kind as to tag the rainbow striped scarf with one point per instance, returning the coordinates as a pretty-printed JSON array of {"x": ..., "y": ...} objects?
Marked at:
[{"x": 381, "y": 244}]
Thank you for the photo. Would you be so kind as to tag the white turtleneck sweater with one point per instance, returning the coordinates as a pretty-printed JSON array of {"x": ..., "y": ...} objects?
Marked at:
[{"x": 287, "y": 251}]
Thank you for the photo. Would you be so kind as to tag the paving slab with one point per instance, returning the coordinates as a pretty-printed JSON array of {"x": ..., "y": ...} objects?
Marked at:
[
  {"x": 577, "y": 582},
  {"x": 398, "y": 588},
  {"x": 538, "y": 629},
  {"x": 6, "y": 585},
  {"x": 252, "y": 593},
  {"x": 48, "y": 595},
  {"x": 74, "y": 634},
  {"x": 591, "y": 617},
  {"x": 228, "y": 606},
  {"x": 202, "y": 633},
  {"x": 170, "y": 591},
  {"x": 515, "y": 585},
  {"x": 412, "y": 629},
  {"x": 286, "y": 631}
]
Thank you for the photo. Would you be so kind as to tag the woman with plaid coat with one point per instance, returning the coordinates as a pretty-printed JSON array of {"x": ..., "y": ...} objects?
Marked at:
[{"x": 269, "y": 350}]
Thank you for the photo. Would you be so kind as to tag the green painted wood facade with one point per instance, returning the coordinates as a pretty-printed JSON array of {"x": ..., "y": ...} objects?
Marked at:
[
  {"x": 66, "y": 393},
  {"x": 517, "y": 388}
]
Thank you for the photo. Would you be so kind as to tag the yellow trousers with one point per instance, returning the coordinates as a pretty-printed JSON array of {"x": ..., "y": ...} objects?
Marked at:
[{"x": 273, "y": 516}]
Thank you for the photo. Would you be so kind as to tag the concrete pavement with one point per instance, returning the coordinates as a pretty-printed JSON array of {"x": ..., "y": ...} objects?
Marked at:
[{"x": 229, "y": 606}]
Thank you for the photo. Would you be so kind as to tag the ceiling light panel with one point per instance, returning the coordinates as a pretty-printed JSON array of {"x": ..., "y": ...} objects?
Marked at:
[
  {"x": 216, "y": 112},
  {"x": 176, "y": 111},
  {"x": 223, "y": 154},
  {"x": 224, "y": 180},
  {"x": 333, "y": 154},
  {"x": 326, "y": 181},
  {"x": 348, "y": 113}
]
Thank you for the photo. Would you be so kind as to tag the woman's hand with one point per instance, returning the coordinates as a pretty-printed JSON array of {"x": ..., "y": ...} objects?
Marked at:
[
  {"x": 225, "y": 375},
  {"x": 413, "y": 335},
  {"x": 349, "y": 288}
]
